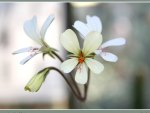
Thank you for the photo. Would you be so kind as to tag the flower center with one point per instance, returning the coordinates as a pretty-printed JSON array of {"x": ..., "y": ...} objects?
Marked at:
[{"x": 81, "y": 58}]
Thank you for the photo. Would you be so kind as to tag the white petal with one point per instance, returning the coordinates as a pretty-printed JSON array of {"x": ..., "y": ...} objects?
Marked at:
[
  {"x": 46, "y": 25},
  {"x": 97, "y": 52},
  {"x": 109, "y": 56},
  {"x": 30, "y": 28},
  {"x": 81, "y": 75},
  {"x": 27, "y": 49},
  {"x": 68, "y": 65},
  {"x": 94, "y": 65},
  {"x": 94, "y": 23},
  {"x": 91, "y": 42},
  {"x": 70, "y": 42},
  {"x": 82, "y": 28},
  {"x": 114, "y": 42},
  {"x": 27, "y": 58}
]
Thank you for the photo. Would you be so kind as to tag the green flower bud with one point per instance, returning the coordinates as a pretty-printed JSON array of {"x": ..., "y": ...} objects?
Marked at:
[{"x": 36, "y": 81}]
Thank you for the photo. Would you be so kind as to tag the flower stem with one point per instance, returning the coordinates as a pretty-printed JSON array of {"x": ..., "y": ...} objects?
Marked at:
[
  {"x": 57, "y": 56},
  {"x": 76, "y": 91},
  {"x": 78, "y": 96},
  {"x": 86, "y": 86},
  {"x": 75, "y": 84}
]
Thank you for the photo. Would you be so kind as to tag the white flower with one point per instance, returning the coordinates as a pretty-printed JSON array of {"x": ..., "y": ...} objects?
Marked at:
[
  {"x": 31, "y": 29},
  {"x": 81, "y": 59},
  {"x": 94, "y": 24}
]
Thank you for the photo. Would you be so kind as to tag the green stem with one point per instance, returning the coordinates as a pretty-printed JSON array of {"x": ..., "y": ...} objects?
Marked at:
[
  {"x": 57, "y": 56},
  {"x": 86, "y": 86},
  {"x": 74, "y": 92},
  {"x": 79, "y": 96},
  {"x": 75, "y": 84}
]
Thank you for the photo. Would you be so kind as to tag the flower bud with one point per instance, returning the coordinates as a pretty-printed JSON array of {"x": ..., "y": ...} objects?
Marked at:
[{"x": 36, "y": 81}]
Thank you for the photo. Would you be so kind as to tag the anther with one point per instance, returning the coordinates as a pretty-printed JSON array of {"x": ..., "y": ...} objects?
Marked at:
[{"x": 81, "y": 58}]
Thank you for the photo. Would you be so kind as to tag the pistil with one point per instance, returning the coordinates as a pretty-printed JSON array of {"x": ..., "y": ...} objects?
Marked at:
[{"x": 81, "y": 58}]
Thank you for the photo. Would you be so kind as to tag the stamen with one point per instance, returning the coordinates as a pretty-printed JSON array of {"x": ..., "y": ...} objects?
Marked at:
[
  {"x": 81, "y": 58},
  {"x": 103, "y": 50},
  {"x": 34, "y": 50}
]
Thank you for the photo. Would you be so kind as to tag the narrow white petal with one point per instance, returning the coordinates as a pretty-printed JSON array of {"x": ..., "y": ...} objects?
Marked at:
[
  {"x": 81, "y": 75},
  {"x": 109, "y": 56},
  {"x": 68, "y": 65},
  {"x": 30, "y": 28},
  {"x": 97, "y": 52},
  {"x": 82, "y": 28},
  {"x": 46, "y": 25},
  {"x": 94, "y": 23},
  {"x": 27, "y": 58},
  {"x": 114, "y": 42},
  {"x": 94, "y": 65},
  {"x": 70, "y": 42},
  {"x": 91, "y": 42},
  {"x": 27, "y": 49}
]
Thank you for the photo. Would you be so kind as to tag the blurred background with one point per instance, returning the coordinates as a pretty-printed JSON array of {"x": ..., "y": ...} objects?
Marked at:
[{"x": 122, "y": 85}]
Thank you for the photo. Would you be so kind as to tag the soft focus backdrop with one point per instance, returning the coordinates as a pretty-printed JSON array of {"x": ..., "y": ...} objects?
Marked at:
[{"x": 122, "y": 85}]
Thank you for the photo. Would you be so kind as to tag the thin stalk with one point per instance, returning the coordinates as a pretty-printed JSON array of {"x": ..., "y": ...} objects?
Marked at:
[
  {"x": 86, "y": 86},
  {"x": 78, "y": 96},
  {"x": 75, "y": 84},
  {"x": 57, "y": 56}
]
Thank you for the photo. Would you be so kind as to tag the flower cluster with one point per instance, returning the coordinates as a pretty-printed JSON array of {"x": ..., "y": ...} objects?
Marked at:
[{"x": 80, "y": 59}]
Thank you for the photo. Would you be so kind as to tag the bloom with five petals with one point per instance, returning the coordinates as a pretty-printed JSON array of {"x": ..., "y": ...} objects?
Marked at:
[
  {"x": 94, "y": 24},
  {"x": 81, "y": 58},
  {"x": 31, "y": 29}
]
